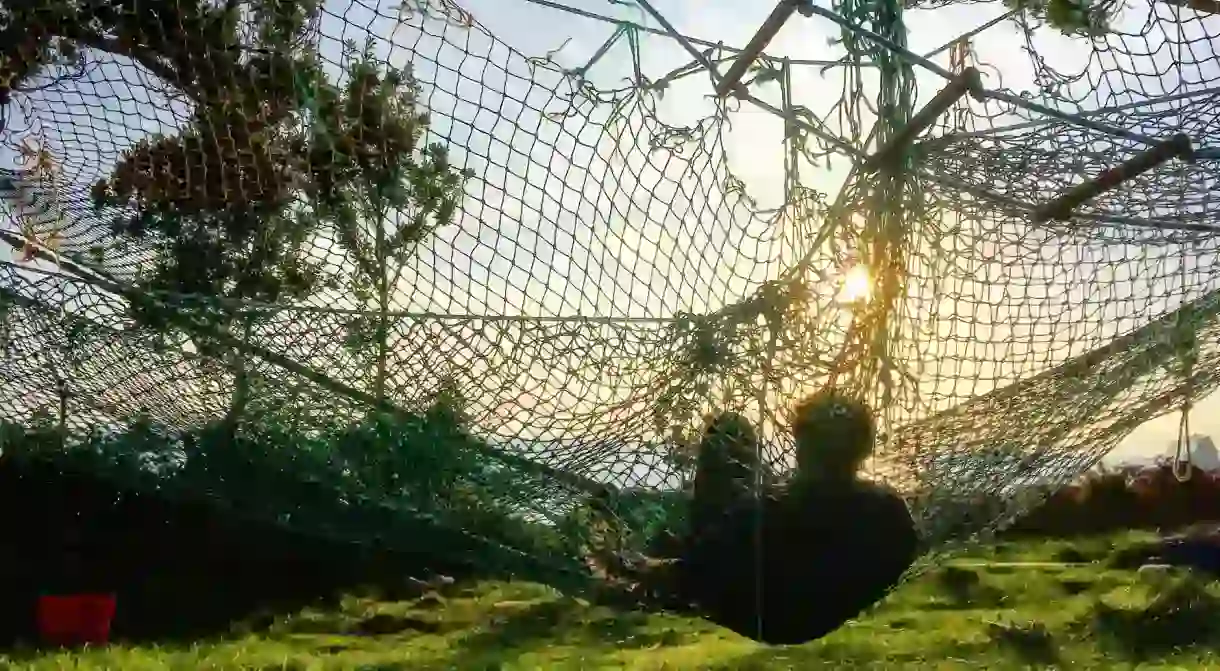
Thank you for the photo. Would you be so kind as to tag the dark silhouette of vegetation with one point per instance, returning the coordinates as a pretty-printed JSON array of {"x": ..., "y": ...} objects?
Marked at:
[
  {"x": 194, "y": 532},
  {"x": 1125, "y": 498}
]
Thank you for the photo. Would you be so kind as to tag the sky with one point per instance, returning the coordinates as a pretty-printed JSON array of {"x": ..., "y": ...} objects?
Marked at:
[
  {"x": 1002, "y": 47},
  {"x": 556, "y": 223}
]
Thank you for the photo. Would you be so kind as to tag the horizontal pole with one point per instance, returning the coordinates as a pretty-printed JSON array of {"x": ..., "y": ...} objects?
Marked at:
[
  {"x": 1060, "y": 209},
  {"x": 967, "y": 81},
  {"x": 584, "y": 13},
  {"x": 779, "y": 16},
  {"x": 1101, "y": 111},
  {"x": 1201, "y": 6}
]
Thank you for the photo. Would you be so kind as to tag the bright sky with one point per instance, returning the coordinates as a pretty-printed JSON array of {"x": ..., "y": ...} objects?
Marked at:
[
  {"x": 754, "y": 147},
  {"x": 518, "y": 235}
]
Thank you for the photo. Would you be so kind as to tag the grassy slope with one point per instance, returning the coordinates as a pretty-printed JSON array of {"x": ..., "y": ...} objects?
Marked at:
[{"x": 958, "y": 616}]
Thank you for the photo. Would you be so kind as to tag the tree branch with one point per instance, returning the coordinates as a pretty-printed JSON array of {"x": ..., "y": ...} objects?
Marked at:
[{"x": 142, "y": 55}]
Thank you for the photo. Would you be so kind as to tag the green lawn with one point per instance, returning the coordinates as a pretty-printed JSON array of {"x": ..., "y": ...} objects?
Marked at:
[{"x": 985, "y": 609}]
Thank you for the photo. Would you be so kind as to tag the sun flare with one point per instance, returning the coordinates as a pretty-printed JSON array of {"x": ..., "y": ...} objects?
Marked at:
[{"x": 856, "y": 285}]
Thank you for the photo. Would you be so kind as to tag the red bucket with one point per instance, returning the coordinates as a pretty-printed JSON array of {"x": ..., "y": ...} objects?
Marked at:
[{"x": 76, "y": 619}]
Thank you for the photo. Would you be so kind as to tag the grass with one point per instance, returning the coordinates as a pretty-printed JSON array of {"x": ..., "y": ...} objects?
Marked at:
[{"x": 990, "y": 608}]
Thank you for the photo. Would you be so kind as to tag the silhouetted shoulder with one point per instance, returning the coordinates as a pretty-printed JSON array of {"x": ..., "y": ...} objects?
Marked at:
[
  {"x": 891, "y": 517},
  {"x": 885, "y": 498},
  {"x": 831, "y": 552}
]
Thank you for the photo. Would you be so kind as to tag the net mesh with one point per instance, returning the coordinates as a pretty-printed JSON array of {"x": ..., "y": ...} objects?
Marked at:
[{"x": 238, "y": 258}]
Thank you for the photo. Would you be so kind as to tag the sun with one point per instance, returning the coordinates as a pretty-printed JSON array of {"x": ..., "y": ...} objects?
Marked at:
[{"x": 856, "y": 285}]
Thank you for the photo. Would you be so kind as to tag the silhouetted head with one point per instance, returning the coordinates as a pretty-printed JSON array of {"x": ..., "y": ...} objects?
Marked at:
[
  {"x": 727, "y": 464},
  {"x": 729, "y": 447},
  {"x": 834, "y": 434}
]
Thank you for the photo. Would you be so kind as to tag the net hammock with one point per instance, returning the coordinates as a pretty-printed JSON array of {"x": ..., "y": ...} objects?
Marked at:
[{"x": 239, "y": 272}]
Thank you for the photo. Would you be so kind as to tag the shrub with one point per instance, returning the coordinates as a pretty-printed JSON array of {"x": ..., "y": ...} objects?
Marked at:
[
  {"x": 418, "y": 480},
  {"x": 1129, "y": 498}
]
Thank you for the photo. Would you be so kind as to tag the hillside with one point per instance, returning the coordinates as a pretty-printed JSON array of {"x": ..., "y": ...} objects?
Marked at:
[{"x": 987, "y": 609}]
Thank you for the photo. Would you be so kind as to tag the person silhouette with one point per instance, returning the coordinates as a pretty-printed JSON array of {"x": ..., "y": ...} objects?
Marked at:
[
  {"x": 796, "y": 562},
  {"x": 727, "y": 470}
]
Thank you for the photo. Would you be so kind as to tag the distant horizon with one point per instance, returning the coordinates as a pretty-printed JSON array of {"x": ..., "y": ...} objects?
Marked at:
[{"x": 1147, "y": 453}]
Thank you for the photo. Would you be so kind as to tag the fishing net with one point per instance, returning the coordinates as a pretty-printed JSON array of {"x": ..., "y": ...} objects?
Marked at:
[{"x": 374, "y": 273}]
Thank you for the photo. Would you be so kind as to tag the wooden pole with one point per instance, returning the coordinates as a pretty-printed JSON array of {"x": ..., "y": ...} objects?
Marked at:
[
  {"x": 1060, "y": 209},
  {"x": 1202, "y": 6},
  {"x": 731, "y": 83},
  {"x": 968, "y": 81}
]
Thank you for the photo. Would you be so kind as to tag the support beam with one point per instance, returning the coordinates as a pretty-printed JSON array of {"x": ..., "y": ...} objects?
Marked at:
[
  {"x": 1101, "y": 111},
  {"x": 1201, "y": 6},
  {"x": 967, "y": 81},
  {"x": 731, "y": 83},
  {"x": 1060, "y": 209}
]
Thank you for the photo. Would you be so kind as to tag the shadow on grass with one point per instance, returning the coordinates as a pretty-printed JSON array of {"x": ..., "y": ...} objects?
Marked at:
[
  {"x": 1032, "y": 642},
  {"x": 567, "y": 622},
  {"x": 959, "y": 588},
  {"x": 834, "y": 653},
  {"x": 1075, "y": 586},
  {"x": 1182, "y": 614}
]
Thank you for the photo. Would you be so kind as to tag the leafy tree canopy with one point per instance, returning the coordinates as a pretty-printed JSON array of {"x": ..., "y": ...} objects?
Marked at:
[
  {"x": 1072, "y": 17},
  {"x": 274, "y": 149}
]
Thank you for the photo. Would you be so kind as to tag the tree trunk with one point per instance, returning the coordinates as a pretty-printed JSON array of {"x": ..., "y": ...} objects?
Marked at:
[
  {"x": 241, "y": 383},
  {"x": 62, "y": 387},
  {"x": 383, "y": 307}
]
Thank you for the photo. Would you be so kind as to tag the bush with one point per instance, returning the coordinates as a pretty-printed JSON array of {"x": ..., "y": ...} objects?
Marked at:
[
  {"x": 1129, "y": 498},
  {"x": 311, "y": 480},
  {"x": 173, "y": 519}
]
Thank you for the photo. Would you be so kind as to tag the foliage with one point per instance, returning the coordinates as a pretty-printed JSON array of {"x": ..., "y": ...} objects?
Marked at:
[
  {"x": 958, "y": 492},
  {"x": 274, "y": 150},
  {"x": 418, "y": 479},
  {"x": 1128, "y": 498},
  {"x": 1072, "y": 17},
  {"x": 277, "y": 154}
]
